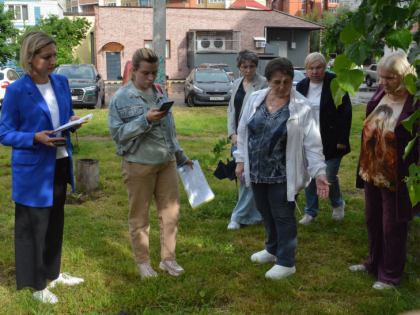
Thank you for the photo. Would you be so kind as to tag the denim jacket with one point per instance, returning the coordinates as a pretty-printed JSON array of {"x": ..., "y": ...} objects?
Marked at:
[{"x": 128, "y": 124}]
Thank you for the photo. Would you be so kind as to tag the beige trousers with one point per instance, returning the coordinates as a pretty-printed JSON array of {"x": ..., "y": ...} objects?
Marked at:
[{"x": 144, "y": 181}]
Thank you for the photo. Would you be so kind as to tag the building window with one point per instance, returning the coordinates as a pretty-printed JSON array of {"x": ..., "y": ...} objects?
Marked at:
[
  {"x": 85, "y": 8},
  {"x": 200, "y": 1},
  {"x": 68, "y": 10},
  {"x": 303, "y": 1},
  {"x": 21, "y": 12},
  {"x": 149, "y": 44},
  {"x": 127, "y": 4},
  {"x": 322, "y": 11},
  {"x": 332, "y": 10},
  {"x": 74, "y": 9},
  {"x": 334, "y": 1},
  {"x": 145, "y": 3},
  {"x": 68, "y": 0},
  {"x": 302, "y": 10},
  {"x": 215, "y": 1},
  {"x": 109, "y": 4}
]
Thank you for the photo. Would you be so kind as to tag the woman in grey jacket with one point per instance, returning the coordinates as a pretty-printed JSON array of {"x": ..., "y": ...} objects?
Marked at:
[
  {"x": 146, "y": 139},
  {"x": 245, "y": 212}
]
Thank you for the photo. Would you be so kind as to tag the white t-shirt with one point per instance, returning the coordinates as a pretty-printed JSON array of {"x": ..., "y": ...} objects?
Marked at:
[
  {"x": 314, "y": 96},
  {"x": 48, "y": 94}
]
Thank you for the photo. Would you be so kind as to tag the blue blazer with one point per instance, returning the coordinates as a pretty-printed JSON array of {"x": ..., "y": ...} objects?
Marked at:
[{"x": 24, "y": 113}]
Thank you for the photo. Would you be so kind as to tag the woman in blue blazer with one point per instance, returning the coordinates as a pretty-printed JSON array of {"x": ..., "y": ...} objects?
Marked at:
[{"x": 33, "y": 107}]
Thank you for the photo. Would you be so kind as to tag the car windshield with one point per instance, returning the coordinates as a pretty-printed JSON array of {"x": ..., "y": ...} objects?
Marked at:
[
  {"x": 212, "y": 77},
  {"x": 298, "y": 76},
  {"x": 77, "y": 73},
  {"x": 1, "y": 76}
]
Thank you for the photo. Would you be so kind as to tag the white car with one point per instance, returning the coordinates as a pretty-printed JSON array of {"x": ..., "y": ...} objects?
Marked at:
[
  {"x": 371, "y": 75},
  {"x": 7, "y": 76}
]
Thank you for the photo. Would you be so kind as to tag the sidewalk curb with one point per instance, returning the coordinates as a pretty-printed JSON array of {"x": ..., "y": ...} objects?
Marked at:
[{"x": 113, "y": 82}]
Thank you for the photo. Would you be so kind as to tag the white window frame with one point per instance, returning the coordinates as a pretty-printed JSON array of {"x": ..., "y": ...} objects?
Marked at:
[
  {"x": 111, "y": 4},
  {"x": 127, "y": 4},
  {"x": 73, "y": 8},
  {"x": 148, "y": 3},
  {"x": 216, "y": 1},
  {"x": 303, "y": 11},
  {"x": 332, "y": 10},
  {"x": 322, "y": 11},
  {"x": 303, "y": 1},
  {"x": 69, "y": 10},
  {"x": 200, "y": 1},
  {"x": 322, "y": 2},
  {"x": 85, "y": 8},
  {"x": 333, "y": 1},
  {"x": 22, "y": 18},
  {"x": 149, "y": 44}
]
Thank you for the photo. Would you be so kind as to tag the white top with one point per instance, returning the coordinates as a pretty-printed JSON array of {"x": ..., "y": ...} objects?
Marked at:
[
  {"x": 314, "y": 96},
  {"x": 47, "y": 92}
]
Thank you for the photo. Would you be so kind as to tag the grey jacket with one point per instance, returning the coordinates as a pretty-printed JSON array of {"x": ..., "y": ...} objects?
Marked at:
[
  {"x": 258, "y": 83},
  {"x": 128, "y": 124}
]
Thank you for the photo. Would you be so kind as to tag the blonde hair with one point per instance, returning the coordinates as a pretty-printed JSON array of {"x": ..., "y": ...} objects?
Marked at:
[
  {"x": 141, "y": 54},
  {"x": 32, "y": 43},
  {"x": 312, "y": 57},
  {"x": 398, "y": 64}
]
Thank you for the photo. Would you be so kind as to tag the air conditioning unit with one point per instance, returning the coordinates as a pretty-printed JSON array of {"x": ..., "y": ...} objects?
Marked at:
[
  {"x": 211, "y": 43},
  {"x": 260, "y": 44}
]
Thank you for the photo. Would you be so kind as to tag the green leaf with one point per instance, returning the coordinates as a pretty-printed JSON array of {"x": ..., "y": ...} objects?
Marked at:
[
  {"x": 337, "y": 92},
  {"x": 400, "y": 38},
  {"x": 368, "y": 22},
  {"x": 358, "y": 51},
  {"x": 358, "y": 22},
  {"x": 413, "y": 183},
  {"x": 412, "y": 54},
  {"x": 349, "y": 34},
  {"x": 341, "y": 62},
  {"x": 394, "y": 14},
  {"x": 409, "y": 122},
  {"x": 350, "y": 80},
  {"x": 409, "y": 146},
  {"x": 410, "y": 81}
]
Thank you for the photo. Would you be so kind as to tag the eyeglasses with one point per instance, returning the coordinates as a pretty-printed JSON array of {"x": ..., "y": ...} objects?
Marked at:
[{"x": 247, "y": 68}]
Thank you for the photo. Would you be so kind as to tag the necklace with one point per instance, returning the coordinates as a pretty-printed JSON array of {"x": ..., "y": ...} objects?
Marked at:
[{"x": 271, "y": 102}]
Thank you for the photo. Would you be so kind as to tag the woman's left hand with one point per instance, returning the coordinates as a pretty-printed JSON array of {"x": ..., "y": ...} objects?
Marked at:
[
  {"x": 73, "y": 118},
  {"x": 322, "y": 186},
  {"x": 190, "y": 163}
]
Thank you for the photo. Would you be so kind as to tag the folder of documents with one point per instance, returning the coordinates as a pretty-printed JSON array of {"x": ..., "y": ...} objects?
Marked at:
[
  {"x": 195, "y": 185},
  {"x": 73, "y": 123}
]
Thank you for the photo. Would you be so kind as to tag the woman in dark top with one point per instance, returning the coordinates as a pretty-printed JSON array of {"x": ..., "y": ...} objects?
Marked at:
[{"x": 245, "y": 212}]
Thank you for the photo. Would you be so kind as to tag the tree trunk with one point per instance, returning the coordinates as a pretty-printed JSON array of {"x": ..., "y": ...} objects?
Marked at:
[{"x": 87, "y": 174}]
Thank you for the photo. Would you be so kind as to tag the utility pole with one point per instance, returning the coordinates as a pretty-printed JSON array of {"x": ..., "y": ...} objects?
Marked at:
[{"x": 159, "y": 38}]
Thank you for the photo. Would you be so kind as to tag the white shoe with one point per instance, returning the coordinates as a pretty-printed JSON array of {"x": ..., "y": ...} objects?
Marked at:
[
  {"x": 357, "y": 268},
  {"x": 263, "y": 257},
  {"x": 45, "y": 296},
  {"x": 307, "y": 219},
  {"x": 279, "y": 272},
  {"x": 65, "y": 278},
  {"x": 338, "y": 212},
  {"x": 382, "y": 286},
  {"x": 233, "y": 226}
]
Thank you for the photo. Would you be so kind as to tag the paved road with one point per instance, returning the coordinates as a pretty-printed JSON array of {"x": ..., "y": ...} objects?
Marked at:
[{"x": 176, "y": 94}]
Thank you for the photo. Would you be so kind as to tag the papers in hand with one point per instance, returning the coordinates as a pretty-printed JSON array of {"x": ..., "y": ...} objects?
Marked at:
[
  {"x": 73, "y": 123},
  {"x": 195, "y": 185}
]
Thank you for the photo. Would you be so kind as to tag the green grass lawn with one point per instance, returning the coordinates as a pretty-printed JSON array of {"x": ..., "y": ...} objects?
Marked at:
[{"x": 219, "y": 278}]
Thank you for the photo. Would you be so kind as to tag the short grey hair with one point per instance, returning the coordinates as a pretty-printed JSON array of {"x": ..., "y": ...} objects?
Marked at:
[
  {"x": 315, "y": 56},
  {"x": 246, "y": 55},
  {"x": 398, "y": 64}
]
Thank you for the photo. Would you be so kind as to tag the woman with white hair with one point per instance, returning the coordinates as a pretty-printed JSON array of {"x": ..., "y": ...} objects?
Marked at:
[
  {"x": 382, "y": 170},
  {"x": 334, "y": 125}
]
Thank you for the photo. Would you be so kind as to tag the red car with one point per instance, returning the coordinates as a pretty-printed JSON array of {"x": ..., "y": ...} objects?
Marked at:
[{"x": 127, "y": 71}]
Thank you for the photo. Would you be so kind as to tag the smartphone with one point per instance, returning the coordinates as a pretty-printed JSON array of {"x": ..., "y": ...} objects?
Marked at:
[
  {"x": 60, "y": 143},
  {"x": 166, "y": 106}
]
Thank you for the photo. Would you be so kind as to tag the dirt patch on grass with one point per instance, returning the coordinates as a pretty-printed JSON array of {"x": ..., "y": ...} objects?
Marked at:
[
  {"x": 95, "y": 138},
  {"x": 7, "y": 275},
  {"x": 78, "y": 198}
]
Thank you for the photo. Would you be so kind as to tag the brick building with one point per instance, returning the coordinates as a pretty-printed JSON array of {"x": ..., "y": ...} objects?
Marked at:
[
  {"x": 120, "y": 31},
  {"x": 296, "y": 7}
]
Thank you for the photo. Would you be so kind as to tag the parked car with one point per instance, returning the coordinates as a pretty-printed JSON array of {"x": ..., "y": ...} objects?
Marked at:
[
  {"x": 124, "y": 77},
  {"x": 331, "y": 63},
  {"x": 371, "y": 75},
  {"x": 7, "y": 76},
  {"x": 205, "y": 86},
  {"x": 301, "y": 69},
  {"x": 299, "y": 76},
  {"x": 86, "y": 84},
  {"x": 222, "y": 66}
]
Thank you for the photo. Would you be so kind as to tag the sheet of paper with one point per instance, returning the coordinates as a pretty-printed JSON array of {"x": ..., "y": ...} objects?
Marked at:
[
  {"x": 73, "y": 123},
  {"x": 195, "y": 185}
]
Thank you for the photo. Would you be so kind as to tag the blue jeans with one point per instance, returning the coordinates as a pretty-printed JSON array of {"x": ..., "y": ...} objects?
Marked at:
[
  {"x": 279, "y": 221},
  {"x": 245, "y": 211},
  {"x": 336, "y": 198}
]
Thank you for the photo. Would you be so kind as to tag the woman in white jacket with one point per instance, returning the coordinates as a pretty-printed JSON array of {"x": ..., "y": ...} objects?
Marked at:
[{"x": 279, "y": 151}]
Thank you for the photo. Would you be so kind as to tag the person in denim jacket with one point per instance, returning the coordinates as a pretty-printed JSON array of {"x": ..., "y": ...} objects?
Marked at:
[{"x": 146, "y": 139}]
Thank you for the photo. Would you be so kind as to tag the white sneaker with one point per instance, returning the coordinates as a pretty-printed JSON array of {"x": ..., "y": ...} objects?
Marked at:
[
  {"x": 307, "y": 219},
  {"x": 263, "y": 257},
  {"x": 382, "y": 286},
  {"x": 65, "y": 278},
  {"x": 233, "y": 226},
  {"x": 357, "y": 268},
  {"x": 279, "y": 272},
  {"x": 45, "y": 296},
  {"x": 338, "y": 212}
]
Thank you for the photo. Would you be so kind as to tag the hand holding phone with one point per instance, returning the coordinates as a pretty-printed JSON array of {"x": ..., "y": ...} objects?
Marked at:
[{"x": 166, "y": 106}]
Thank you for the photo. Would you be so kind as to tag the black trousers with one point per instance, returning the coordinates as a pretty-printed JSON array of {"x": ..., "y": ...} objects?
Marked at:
[{"x": 39, "y": 236}]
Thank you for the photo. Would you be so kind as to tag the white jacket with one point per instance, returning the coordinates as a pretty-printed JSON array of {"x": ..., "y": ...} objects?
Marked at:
[{"x": 304, "y": 157}]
